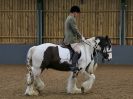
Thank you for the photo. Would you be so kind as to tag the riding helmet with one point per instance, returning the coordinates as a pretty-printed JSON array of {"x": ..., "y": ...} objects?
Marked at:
[{"x": 75, "y": 9}]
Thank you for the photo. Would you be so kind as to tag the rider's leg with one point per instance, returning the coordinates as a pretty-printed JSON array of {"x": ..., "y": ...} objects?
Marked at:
[{"x": 75, "y": 57}]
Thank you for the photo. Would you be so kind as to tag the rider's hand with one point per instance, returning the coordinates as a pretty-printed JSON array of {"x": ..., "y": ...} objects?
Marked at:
[{"x": 83, "y": 39}]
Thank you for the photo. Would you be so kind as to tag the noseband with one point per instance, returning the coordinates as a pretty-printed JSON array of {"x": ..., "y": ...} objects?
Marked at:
[{"x": 105, "y": 53}]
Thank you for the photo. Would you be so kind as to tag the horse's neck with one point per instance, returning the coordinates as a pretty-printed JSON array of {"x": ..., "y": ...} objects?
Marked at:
[
  {"x": 87, "y": 53},
  {"x": 88, "y": 49},
  {"x": 91, "y": 43}
]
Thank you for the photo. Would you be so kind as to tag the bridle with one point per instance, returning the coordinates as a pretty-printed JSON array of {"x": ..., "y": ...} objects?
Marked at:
[
  {"x": 95, "y": 47},
  {"x": 105, "y": 53}
]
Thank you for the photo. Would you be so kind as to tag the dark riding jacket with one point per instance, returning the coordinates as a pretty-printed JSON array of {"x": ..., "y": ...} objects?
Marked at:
[{"x": 72, "y": 34}]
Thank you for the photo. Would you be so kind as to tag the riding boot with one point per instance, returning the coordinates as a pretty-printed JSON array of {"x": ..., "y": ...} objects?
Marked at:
[{"x": 75, "y": 57}]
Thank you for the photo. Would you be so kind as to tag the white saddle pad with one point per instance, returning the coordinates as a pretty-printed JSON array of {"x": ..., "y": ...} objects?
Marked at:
[{"x": 64, "y": 54}]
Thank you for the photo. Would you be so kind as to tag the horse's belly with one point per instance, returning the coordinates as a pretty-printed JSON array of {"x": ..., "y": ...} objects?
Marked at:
[{"x": 64, "y": 54}]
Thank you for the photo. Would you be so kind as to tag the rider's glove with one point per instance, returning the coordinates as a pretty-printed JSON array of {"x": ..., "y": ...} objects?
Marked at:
[{"x": 83, "y": 39}]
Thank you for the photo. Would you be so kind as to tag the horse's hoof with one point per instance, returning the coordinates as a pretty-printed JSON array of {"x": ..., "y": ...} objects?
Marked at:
[
  {"x": 26, "y": 94},
  {"x": 34, "y": 93},
  {"x": 82, "y": 89}
]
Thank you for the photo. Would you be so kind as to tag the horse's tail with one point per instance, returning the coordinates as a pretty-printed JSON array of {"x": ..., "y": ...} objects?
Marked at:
[{"x": 29, "y": 57}]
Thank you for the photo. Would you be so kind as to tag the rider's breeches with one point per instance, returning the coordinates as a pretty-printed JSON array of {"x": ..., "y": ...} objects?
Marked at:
[{"x": 76, "y": 47}]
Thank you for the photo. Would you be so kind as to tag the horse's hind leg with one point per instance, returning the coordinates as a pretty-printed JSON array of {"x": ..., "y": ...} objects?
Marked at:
[
  {"x": 72, "y": 87},
  {"x": 87, "y": 85},
  {"x": 31, "y": 78},
  {"x": 39, "y": 84}
]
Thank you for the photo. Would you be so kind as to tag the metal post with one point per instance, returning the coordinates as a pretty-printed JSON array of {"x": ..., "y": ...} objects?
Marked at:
[
  {"x": 122, "y": 22},
  {"x": 39, "y": 21}
]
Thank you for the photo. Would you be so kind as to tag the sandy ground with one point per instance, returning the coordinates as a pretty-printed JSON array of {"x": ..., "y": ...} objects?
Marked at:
[{"x": 112, "y": 82}]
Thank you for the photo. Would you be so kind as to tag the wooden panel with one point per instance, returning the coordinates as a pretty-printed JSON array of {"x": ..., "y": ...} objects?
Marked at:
[
  {"x": 97, "y": 18},
  {"x": 17, "y": 21},
  {"x": 129, "y": 24}
]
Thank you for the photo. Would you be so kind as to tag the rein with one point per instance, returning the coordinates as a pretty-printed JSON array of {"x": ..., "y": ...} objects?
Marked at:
[
  {"x": 86, "y": 43},
  {"x": 90, "y": 44}
]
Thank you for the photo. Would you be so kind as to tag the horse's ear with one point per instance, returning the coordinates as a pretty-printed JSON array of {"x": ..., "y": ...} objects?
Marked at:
[{"x": 106, "y": 37}]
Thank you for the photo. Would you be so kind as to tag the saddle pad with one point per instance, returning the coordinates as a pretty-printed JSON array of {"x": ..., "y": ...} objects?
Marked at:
[{"x": 64, "y": 54}]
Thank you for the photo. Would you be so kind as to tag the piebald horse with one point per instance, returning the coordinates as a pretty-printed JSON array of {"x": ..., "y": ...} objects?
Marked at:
[{"x": 56, "y": 57}]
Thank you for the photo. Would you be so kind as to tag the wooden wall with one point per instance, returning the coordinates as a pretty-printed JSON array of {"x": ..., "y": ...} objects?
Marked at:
[
  {"x": 98, "y": 17},
  {"x": 17, "y": 21},
  {"x": 129, "y": 22}
]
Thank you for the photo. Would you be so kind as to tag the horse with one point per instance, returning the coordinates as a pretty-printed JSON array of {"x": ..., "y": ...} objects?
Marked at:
[{"x": 53, "y": 56}]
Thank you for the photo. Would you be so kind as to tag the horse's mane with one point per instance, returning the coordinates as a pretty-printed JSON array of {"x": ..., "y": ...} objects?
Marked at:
[{"x": 90, "y": 40}]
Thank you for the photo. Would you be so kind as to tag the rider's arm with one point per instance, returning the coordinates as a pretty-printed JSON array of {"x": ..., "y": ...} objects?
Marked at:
[{"x": 75, "y": 28}]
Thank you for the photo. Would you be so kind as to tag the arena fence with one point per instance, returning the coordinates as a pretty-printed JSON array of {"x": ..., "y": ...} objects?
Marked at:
[
  {"x": 18, "y": 21},
  {"x": 97, "y": 18},
  {"x": 24, "y": 23},
  {"x": 38, "y": 21}
]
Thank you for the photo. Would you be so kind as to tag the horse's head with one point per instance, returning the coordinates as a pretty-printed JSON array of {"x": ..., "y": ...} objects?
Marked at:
[{"x": 104, "y": 46}]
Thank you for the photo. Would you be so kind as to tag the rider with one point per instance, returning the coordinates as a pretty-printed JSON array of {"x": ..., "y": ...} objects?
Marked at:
[{"x": 72, "y": 36}]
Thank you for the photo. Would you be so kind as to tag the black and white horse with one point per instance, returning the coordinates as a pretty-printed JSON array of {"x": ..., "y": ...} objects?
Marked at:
[{"x": 54, "y": 56}]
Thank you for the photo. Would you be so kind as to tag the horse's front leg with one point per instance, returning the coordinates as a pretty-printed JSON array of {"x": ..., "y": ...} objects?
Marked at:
[
  {"x": 71, "y": 86},
  {"x": 87, "y": 85}
]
